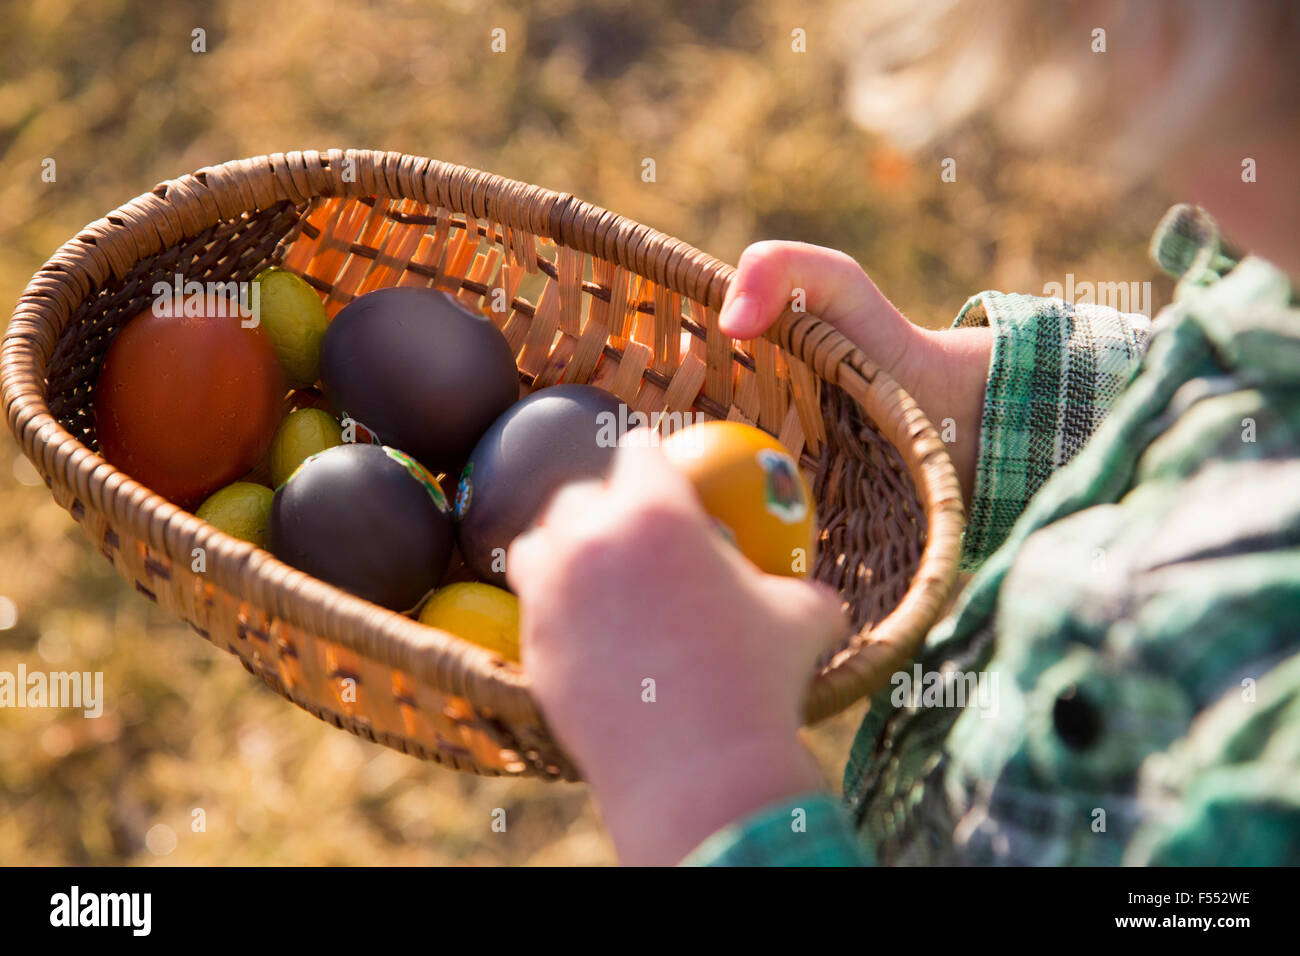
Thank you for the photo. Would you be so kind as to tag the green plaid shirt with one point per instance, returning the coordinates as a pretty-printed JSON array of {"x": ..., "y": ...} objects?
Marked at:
[{"x": 1120, "y": 682}]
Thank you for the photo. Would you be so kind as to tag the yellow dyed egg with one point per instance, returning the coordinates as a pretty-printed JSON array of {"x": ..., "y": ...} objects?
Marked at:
[
  {"x": 479, "y": 613},
  {"x": 752, "y": 488}
]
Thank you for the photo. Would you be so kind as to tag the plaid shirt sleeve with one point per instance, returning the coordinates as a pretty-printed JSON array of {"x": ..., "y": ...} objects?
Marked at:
[
  {"x": 1055, "y": 372},
  {"x": 810, "y": 830}
]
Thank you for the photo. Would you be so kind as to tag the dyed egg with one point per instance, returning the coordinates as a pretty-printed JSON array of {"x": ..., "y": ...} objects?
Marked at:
[
  {"x": 294, "y": 317},
  {"x": 556, "y": 435},
  {"x": 368, "y": 519},
  {"x": 478, "y": 613},
  {"x": 186, "y": 404},
  {"x": 304, "y": 433},
  {"x": 241, "y": 510},
  {"x": 420, "y": 371},
  {"x": 752, "y": 488}
]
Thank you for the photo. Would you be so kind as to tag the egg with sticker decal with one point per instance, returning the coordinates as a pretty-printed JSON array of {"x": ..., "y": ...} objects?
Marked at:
[
  {"x": 368, "y": 519},
  {"x": 752, "y": 489}
]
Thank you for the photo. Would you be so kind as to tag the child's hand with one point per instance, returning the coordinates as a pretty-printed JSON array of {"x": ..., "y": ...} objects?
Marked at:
[
  {"x": 670, "y": 667},
  {"x": 944, "y": 371}
]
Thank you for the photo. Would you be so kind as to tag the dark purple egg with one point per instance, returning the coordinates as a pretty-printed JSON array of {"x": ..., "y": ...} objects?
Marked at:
[
  {"x": 367, "y": 519},
  {"x": 556, "y": 435},
  {"x": 420, "y": 371}
]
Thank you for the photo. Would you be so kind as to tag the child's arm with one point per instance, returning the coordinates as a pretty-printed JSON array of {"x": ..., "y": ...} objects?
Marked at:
[{"x": 1015, "y": 388}]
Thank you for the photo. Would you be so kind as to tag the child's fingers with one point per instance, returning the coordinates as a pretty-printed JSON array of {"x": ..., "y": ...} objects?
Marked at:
[
  {"x": 769, "y": 273},
  {"x": 527, "y": 554},
  {"x": 817, "y": 608},
  {"x": 572, "y": 504},
  {"x": 533, "y": 550},
  {"x": 643, "y": 471}
]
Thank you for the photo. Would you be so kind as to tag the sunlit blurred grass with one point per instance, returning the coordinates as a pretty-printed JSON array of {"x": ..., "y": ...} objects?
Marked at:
[{"x": 749, "y": 141}]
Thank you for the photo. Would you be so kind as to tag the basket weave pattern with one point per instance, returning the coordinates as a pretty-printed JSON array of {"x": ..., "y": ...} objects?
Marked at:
[{"x": 590, "y": 297}]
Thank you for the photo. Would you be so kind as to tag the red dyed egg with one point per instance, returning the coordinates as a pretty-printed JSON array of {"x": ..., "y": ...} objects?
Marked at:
[{"x": 186, "y": 404}]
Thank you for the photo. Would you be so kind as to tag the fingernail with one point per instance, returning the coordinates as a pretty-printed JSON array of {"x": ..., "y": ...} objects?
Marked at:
[{"x": 739, "y": 318}]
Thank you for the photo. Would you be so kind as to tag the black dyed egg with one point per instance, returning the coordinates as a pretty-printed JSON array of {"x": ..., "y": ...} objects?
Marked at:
[
  {"x": 556, "y": 435},
  {"x": 368, "y": 519},
  {"x": 420, "y": 371}
]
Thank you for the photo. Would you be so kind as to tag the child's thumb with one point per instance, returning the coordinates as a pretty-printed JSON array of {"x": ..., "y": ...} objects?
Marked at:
[
  {"x": 772, "y": 275},
  {"x": 759, "y": 292}
]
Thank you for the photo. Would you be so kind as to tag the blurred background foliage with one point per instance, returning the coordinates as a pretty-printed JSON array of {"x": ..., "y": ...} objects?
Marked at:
[{"x": 750, "y": 140}]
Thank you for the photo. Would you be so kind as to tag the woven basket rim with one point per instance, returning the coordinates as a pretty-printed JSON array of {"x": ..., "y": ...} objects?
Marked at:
[{"x": 107, "y": 248}]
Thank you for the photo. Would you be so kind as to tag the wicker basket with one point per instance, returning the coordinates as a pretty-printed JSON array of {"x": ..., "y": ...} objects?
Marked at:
[{"x": 594, "y": 298}]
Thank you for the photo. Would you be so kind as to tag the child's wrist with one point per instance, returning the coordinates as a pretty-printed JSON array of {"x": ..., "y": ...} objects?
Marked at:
[
  {"x": 658, "y": 814},
  {"x": 948, "y": 382}
]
